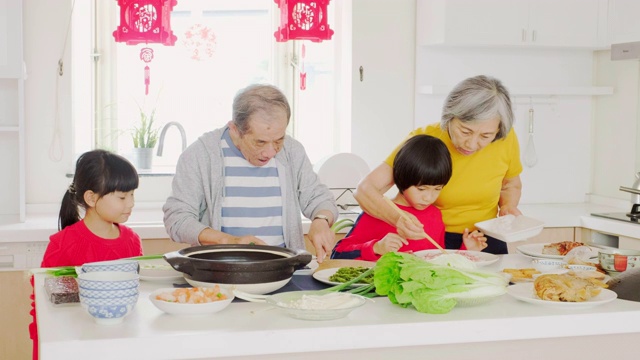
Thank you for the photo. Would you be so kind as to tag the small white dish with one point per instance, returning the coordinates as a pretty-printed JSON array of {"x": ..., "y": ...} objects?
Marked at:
[
  {"x": 324, "y": 275},
  {"x": 175, "y": 308},
  {"x": 254, "y": 289},
  {"x": 575, "y": 267},
  {"x": 158, "y": 270},
  {"x": 478, "y": 257},
  {"x": 510, "y": 228},
  {"x": 290, "y": 303},
  {"x": 548, "y": 265}
]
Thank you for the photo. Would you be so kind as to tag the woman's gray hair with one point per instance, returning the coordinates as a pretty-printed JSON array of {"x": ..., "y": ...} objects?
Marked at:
[
  {"x": 479, "y": 98},
  {"x": 254, "y": 98}
]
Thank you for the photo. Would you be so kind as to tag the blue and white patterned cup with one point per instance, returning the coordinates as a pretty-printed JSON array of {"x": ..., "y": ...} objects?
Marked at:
[{"x": 113, "y": 265}]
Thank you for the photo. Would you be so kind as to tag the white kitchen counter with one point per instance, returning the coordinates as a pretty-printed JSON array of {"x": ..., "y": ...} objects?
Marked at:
[{"x": 502, "y": 328}]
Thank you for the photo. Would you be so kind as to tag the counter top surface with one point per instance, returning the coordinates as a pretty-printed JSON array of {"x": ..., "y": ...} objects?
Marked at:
[
  {"x": 148, "y": 222},
  {"x": 148, "y": 333}
]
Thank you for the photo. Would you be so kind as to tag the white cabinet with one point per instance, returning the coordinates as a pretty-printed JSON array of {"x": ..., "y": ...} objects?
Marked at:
[
  {"x": 12, "y": 139},
  {"x": 10, "y": 38},
  {"x": 532, "y": 23},
  {"x": 623, "y": 21}
]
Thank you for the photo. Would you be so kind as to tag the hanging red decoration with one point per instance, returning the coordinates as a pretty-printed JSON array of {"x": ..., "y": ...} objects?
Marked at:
[
  {"x": 303, "y": 20},
  {"x": 145, "y": 21}
]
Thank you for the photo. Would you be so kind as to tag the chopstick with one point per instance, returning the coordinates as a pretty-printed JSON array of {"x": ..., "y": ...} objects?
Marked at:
[{"x": 404, "y": 216}]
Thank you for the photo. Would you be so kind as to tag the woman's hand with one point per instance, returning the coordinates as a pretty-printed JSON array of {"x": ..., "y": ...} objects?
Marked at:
[
  {"x": 322, "y": 238},
  {"x": 506, "y": 210},
  {"x": 390, "y": 243},
  {"x": 410, "y": 227},
  {"x": 475, "y": 241}
]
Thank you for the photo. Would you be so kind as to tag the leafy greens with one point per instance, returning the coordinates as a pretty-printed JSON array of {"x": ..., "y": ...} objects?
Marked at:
[{"x": 432, "y": 288}]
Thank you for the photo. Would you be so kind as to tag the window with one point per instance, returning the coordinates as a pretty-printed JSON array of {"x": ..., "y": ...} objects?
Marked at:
[{"x": 193, "y": 82}]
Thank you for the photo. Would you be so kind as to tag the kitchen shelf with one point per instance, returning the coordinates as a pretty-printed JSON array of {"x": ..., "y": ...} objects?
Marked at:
[{"x": 530, "y": 91}]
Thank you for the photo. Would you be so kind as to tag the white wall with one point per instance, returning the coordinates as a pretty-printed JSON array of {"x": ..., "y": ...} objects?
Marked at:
[{"x": 616, "y": 120}]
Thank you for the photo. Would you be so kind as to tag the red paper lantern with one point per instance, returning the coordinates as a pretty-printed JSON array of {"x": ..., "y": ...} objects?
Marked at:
[
  {"x": 145, "y": 21},
  {"x": 303, "y": 20}
]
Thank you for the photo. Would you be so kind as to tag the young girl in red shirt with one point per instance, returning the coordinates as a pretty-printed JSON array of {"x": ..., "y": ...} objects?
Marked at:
[
  {"x": 421, "y": 169},
  {"x": 102, "y": 188}
]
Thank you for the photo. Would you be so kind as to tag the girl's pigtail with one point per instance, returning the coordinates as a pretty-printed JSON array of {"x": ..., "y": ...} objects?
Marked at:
[{"x": 69, "y": 214}]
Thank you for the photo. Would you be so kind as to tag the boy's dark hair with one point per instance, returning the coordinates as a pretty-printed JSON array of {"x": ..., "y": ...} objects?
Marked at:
[
  {"x": 422, "y": 160},
  {"x": 101, "y": 172}
]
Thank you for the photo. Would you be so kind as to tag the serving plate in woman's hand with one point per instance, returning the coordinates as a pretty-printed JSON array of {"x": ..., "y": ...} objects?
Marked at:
[
  {"x": 478, "y": 257},
  {"x": 535, "y": 250},
  {"x": 525, "y": 292}
]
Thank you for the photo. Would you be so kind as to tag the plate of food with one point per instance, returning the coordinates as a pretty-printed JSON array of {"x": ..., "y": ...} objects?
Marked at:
[
  {"x": 478, "y": 257},
  {"x": 337, "y": 276},
  {"x": 526, "y": 292},
  {"x": 158, "y": 270},
  {"x": 556, "y": 250}
]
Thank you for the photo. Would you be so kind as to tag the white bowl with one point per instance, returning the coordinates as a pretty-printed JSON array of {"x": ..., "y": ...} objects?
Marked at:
[
  {"x": 575, "y": 267},
  {"x": 176, "y": 308},
  {"x": 510, "y": 228},
  {"x": 254, "y": 289},
  {"x": 547, "y": 265},
  {"x": 289, "y": 303}
]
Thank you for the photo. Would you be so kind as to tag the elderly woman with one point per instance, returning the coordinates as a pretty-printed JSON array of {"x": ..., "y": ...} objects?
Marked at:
[{"x": 476, "y": 126}]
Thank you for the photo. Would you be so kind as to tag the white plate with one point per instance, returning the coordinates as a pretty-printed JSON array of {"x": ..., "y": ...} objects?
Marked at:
[
  {"x": 535, "y": 250},
  {"x": 158, "y": 270},
  {"x": 478, "y": 257},
  {"x": 525, "y": 292},
  {"x": 510, "y": 228},
  {"x": 324, "y": 275},
  {"x": 175, "y": 308}
]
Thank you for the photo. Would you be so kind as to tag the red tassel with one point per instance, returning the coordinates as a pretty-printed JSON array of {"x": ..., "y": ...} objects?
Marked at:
[{"x": 147, "y": 80}]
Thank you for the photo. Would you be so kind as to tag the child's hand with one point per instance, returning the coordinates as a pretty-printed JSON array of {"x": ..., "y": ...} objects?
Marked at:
[
  {"x": 475, "y": 241},
  {"x": 390, "y": 243}
]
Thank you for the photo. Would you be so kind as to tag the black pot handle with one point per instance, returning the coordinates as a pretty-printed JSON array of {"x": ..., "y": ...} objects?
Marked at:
[
  {"x": 179, "y": 262},
  {"x": 301, "y": 259}
]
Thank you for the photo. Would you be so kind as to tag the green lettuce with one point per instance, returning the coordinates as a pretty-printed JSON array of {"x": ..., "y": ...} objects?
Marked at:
[{"x": 431, "y": 288}]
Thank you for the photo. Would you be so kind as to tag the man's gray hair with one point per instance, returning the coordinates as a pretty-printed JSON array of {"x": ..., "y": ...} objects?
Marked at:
[
  {"x": 254, "y": 98},
  {"x": 479, "y": 98}
]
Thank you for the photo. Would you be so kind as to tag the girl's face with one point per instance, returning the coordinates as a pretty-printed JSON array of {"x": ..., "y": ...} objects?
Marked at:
[
  {"x": 421, "y": 197},
  {"x": 116, "y": 206},
  {"x": 471, "y": 137}
]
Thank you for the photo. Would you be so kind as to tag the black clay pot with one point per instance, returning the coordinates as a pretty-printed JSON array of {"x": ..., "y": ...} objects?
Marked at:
[{"x": 237, "y": 264}]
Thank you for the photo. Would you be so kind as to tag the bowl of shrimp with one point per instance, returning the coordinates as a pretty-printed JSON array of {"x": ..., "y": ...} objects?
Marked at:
[{"x": 192, "y": 300}]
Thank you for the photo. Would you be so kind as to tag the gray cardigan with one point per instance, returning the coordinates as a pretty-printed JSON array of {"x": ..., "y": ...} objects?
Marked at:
[{"x": 196, "y": 199}]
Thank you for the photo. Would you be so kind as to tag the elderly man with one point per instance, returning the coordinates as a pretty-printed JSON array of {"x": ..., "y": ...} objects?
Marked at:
[{"x": 248, "y": 182}]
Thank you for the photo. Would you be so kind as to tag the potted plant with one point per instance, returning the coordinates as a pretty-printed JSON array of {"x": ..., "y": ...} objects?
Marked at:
[{"x": 145, "y": 137}]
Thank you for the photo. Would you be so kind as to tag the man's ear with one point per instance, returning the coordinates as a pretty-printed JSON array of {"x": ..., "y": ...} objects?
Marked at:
[{"x": 90, "y": 198}]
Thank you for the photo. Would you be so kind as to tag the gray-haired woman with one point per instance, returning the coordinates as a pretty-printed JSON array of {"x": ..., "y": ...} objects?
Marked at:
[{"x": 476, "y": 126}]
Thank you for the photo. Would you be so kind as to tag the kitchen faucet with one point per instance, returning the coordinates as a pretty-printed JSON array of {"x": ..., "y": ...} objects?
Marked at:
[{"x": 164, "y": 131}]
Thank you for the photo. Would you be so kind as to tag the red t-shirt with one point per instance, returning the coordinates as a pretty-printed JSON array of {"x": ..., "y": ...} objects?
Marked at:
[
  {"x": 76, "y": 245},
  {"x": 368, "y": 230}
]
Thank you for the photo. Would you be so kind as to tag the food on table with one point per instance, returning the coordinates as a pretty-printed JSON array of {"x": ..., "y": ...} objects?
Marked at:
[
  {"x": 431, "y": 288},
  {"x": 62, "y": 289},
  {"x": 348, "y": 273},
  {"x": 560, "y": 248},
  {"x": 462, "y": 253},
  {"x": 567, "y": 288},
  {"x": 577, "y": 261},
  {"x": 333, "y": 300},
  {"x": 195, "y": 295},
  {"x": 521, "y": 274}
]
